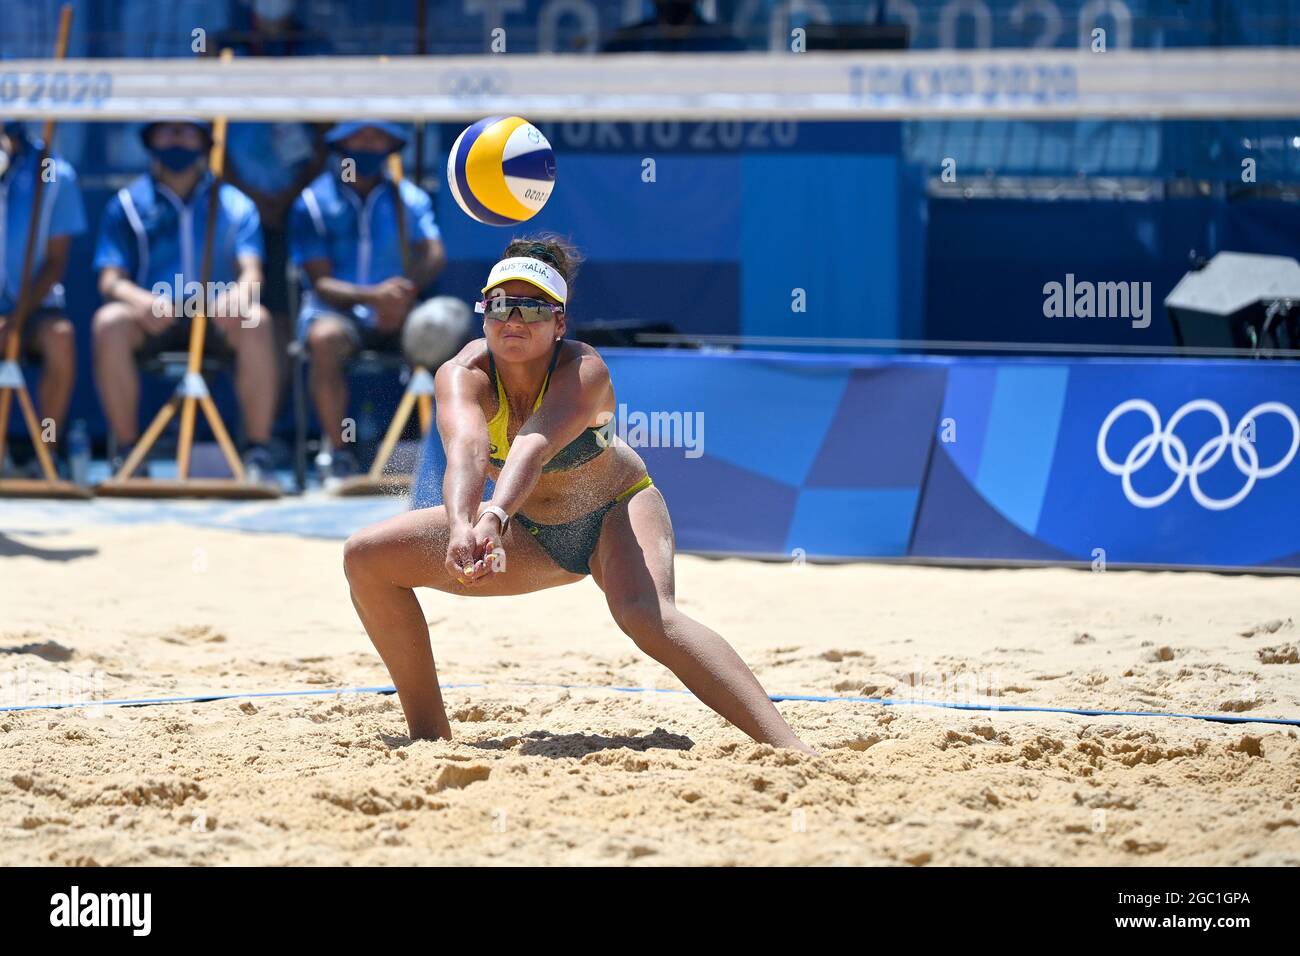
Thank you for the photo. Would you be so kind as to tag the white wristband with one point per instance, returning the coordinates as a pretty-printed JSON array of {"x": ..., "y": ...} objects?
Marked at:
[{"x": 499, "y": 512}]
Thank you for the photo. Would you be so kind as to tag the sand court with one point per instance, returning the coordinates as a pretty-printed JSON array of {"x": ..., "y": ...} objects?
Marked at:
[{"x": 587, "y": 775}]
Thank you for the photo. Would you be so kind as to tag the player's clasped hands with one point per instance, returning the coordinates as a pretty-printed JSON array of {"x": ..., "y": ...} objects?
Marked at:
[{"x": 472, "y": 551}]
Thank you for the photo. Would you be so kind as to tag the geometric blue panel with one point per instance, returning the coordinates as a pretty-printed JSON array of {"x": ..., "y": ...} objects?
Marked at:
[
  {"x": 956, "y": 522},
  {"x": 889, "y": 446},
  {"x": 768, "y": 415},
  {"x": 966, "y": 402},
  {"x": 717, "y": 506},
  {"x": 831, "y": 522},
  {"x": 1022, "y": 427}
]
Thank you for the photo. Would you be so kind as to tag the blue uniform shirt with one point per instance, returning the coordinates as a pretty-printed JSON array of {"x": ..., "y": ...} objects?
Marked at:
[
  {"x": 151, "y": 234},
  {"x": 62, "y": 214},
  {"x": 358, "y": 235}
]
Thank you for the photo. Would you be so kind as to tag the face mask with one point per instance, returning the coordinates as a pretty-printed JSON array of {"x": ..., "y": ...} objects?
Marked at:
[
  {"x": 177, "y": 158},
  {"x": 368, "y": 164}
]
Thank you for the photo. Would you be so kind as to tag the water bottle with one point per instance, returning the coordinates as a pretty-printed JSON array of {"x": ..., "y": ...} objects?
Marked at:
[{"x": 79, "y": 452}]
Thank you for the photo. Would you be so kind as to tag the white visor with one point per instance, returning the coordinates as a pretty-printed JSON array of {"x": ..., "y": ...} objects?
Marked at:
[{"x": 533, "y": 271}]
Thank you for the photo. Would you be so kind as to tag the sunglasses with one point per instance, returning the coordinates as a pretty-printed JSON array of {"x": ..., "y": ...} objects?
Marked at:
[{"x": 502, "y": 307}]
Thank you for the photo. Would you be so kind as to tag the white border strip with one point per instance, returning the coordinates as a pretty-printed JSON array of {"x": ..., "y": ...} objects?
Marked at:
[{"x": 1219, "y": 83}]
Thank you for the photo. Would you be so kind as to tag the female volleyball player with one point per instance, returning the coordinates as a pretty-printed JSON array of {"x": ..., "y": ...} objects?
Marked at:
[{"x": 527, "y": 406}]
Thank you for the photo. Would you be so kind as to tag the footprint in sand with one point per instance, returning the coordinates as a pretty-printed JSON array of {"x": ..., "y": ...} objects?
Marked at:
[
  {"x": 51, "y": 651},
  {"x": 1268, "y": 627}
]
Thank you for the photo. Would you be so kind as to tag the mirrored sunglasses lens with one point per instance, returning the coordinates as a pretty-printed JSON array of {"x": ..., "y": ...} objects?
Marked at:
[{"x": 530, "y": 310}]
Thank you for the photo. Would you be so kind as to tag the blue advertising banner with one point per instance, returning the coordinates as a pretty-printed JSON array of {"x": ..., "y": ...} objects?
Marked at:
[
  {"x": 1121, "y": 461},
  {"x": 1118, "y": 461}
]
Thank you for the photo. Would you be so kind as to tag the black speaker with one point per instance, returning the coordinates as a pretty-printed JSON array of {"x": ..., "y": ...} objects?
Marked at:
[{"x": 1238, "y": 300}]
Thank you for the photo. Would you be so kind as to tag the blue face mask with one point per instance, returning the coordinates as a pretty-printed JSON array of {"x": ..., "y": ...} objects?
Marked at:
[
  {"x": 368, "y": 163},
  {"x": 177, "y": 158}
]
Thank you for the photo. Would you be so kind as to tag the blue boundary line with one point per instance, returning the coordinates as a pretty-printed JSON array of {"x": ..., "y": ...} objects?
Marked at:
[{"x": 884, "y": 702}]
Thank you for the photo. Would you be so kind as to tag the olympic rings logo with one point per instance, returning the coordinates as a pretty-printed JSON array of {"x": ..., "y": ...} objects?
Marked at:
[
  {"x": 474, "y": 84},
  {"x": 1174, "y": 451}
]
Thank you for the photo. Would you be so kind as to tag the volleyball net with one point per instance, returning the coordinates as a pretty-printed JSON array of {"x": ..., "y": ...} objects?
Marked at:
[{"x": 947, "y": 84}]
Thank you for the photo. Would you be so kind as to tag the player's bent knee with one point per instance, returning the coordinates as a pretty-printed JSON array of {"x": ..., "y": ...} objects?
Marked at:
[
  {"x": 642, "y": 618},
  {"x": 360, "y": 554}
]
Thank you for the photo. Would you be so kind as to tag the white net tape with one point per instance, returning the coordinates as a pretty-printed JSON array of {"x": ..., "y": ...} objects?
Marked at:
[{"x": 1023, "y": 84}]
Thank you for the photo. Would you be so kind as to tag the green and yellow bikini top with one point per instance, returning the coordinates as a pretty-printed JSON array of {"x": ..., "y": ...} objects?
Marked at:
[{"x": 577, "y": 452}]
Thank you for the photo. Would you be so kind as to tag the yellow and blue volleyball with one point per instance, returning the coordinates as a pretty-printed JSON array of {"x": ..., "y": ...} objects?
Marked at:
[{"x": 501, "y": 170}]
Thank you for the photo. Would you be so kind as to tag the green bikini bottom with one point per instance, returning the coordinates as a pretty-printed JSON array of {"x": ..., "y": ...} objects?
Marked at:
[{"x": 572, "y": 544}]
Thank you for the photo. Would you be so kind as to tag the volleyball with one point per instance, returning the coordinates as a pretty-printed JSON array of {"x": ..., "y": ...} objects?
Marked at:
[{"x": 501, "y": 170}]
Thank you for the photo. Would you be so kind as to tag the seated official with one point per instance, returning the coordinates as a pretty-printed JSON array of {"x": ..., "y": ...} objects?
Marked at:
[
  {"x": 344, "y": 235},
  {"x": 150, "y": 261},
  {"x": 47, "y": 332}
]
